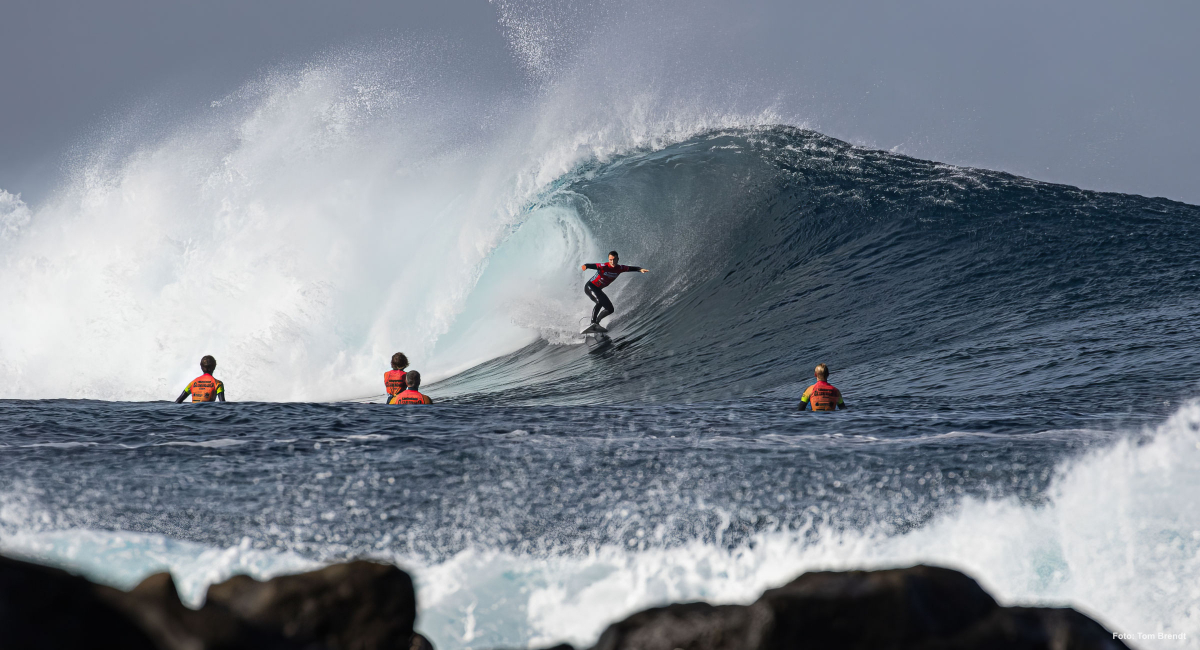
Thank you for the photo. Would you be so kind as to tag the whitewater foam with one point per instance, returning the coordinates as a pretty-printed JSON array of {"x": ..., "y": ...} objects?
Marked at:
[
  {"x": 308, "y": 225},
  {"x": 123, "y": 559},
  {"x": 1117, "y": 537}
]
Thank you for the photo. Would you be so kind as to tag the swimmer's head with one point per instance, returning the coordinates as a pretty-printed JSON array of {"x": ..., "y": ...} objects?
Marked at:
[
  {"x": 399, "y": 361},
  {"x": 208, "y": 364},
  {"x": 821, "y": 372},
  {"x": 413, "y": 379}
]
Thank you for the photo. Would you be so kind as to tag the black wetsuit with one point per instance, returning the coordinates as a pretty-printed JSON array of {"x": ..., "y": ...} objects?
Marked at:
[{"x": 602, "y": 302}]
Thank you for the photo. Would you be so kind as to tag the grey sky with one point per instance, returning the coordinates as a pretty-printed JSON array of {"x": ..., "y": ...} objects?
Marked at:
[
  {"x": 69, "y": 66},
  {"x": 1097, "y": 93}
]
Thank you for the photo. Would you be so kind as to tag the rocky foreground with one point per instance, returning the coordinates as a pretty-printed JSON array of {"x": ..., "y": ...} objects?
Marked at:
[{"x": 369, "y": 606}]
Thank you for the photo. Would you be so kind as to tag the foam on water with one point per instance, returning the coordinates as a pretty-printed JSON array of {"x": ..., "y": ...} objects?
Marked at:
[
  {"x": 219, "y": 443},
  {"x": 123, "y": 559},
  {"x": 1118, "y": 538}
]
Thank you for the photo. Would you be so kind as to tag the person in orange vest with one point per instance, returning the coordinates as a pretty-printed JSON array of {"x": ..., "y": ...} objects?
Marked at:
[
  {"x": 822, "y": 396},
  {"x": 393, "y": 380},
  {"x": 411, "y": 395},
  {"x": 205, "y": 388}
]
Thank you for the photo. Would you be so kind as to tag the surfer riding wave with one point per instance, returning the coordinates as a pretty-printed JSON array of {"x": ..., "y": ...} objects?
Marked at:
[{"x": 606, "y": 273}]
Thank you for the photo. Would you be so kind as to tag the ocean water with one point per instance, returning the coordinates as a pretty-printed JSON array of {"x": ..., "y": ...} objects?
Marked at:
[{"x": 1018, "y": 357}]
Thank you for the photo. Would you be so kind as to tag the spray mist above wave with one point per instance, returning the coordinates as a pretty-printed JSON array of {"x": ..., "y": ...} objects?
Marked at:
[{"x": 304, "y": 228}]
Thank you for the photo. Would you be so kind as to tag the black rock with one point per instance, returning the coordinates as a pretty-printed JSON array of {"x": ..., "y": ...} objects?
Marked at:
[
  {"x": 919, "y": 608},
  {"x": 370, "y": 606},
  {"x": 360, "y": 605},
  {"x": 42, "y": 607},
  {"x": 871, "y": 609},
  {"x": 692, "y": 626},
  {"x": 352, "y": 606},
  {"x": 155, "y": 607}
]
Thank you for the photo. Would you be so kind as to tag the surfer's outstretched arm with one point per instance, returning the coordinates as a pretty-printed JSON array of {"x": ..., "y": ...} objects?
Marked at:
[{"x": 592, "y": 267}]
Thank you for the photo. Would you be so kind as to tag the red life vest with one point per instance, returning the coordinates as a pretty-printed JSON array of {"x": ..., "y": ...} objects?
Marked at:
[
  {"x": 393, "y": 381},
  {"x": 607, "y": 272},
  {"x": 205, "y": 388},
  {"x": 823, "y": 396},
  {"x": 411, "y": 396}
]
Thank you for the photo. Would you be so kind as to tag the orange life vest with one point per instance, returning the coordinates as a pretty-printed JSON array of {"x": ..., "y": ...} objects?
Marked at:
[
  {"x": 823, "y": 396},
  {"x": 205, "y": 388},
  {"x": 393, "y": 381},
  {"x": 411, "y": 396}
]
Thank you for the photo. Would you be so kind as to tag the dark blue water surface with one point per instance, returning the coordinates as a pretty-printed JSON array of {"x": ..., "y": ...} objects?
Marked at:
[{"x": 335, "y": 480}]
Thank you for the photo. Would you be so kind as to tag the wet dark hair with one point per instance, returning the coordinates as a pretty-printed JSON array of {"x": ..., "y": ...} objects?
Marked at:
[
  {"x": 399, "y": 361},
  {"x": 413, "y": 379},
  {"x": 614, "y": 254},
  {"x": 208, "y": 364}
]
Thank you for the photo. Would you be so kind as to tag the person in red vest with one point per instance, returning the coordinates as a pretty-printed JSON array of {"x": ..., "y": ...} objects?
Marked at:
[
  {"x": 822, "y": 396},
  {"x": 393, "y": 380},
  {"x": 411, "y": 395},
  {"x": 606, "y": 273},
  {"x": 205, "y": 388}
]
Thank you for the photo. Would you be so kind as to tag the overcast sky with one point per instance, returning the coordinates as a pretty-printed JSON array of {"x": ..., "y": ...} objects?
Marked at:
[{"x": 1098, "y": 93}]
